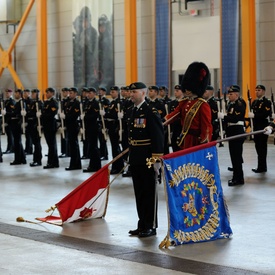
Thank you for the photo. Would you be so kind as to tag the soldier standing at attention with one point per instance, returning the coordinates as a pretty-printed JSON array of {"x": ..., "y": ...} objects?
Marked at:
[
  {"x": 28, "y": 140},
  {"x": 16, "y": 128},
  {"x": 71, "y": 114},
  {"x": 209, "y": 97},
  {"x": 49, "y": 111},
  {"x": 91, "y": 114},
  {"x": 261, "y": 108}
]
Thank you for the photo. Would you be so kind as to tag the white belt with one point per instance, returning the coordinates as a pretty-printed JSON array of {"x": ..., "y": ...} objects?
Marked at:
[{"x": 236, "y": 123}]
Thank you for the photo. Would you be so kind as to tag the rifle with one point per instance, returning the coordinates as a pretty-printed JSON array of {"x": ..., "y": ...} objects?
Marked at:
[
  {"x": 62, "y": 128},
  {"x": 82, "y": 120},
  {"x": 23, "y": 117},
  {"x": 220, "y": 110},
  {"x": 119, "y": 119},
  {"x": 102, "y": 119},
  {"x": 38, "y": 118},
  {"x": 168, "y": 126},
  {"x": 272, "y": 109},
  {"x": 250, "y": 110},
  {"x": 3, "y": 117}
]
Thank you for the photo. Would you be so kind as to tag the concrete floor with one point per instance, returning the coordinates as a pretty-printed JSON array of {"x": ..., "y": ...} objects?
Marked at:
[{"x": 103, "y": 246}]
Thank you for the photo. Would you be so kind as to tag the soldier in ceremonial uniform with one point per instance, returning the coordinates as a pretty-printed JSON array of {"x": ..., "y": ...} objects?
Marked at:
[
  {"x": 28, "y": 140},
  {"x": 104, "y": 103},
  {"x": 16, "y": 128},
  {"x": 71, "y": 115},
  {"x": 234, "y": 120},
  {"x": 113, "y": 115},
  {"x": 193, "y": 111},
  {"x": 163, "y": 95},
  {"x": 91, "y": 114},
  {"x": 176, "y": 126},
  {"x": 261, "y": 108},
  {"x": 8, "y": 109},
  {"x": 211, "y": 100},
  {"x": 49, "y": 123},
  {"x": 84, "y": 100},
  {"x": 33, "y": 115},
  {"x": 146, "y": 140}
]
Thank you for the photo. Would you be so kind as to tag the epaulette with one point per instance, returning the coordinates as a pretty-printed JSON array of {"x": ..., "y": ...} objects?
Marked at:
[{"x": 201, "y": 99}]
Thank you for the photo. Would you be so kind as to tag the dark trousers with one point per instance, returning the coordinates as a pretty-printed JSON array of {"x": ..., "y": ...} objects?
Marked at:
[
  {"x": 36, "y": 140},
  {"x": 146, "y": 196},
  {"x": 93, "y": 150},
  {"x": 236, "y": 154},
  {"x": 261, "y": 149},
  {"x": 64, "y": 144},
  {"x": 28, "y": 141},
  {"x": 50, "y": 137},
  {"x": 10, "y": 140},
  {"x": 102, "y": 143},
  {"x": 75, "y": 161},
  {"x": 19, "y": 155}
]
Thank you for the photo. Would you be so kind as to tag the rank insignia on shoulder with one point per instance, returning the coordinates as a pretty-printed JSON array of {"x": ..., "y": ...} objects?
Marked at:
[
  {"x": 53, "y": 109},
  {"x": 140, "y": 122}
]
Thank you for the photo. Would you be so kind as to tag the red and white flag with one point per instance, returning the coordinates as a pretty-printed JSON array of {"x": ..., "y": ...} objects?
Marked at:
[{"x": 87, "y": 201}]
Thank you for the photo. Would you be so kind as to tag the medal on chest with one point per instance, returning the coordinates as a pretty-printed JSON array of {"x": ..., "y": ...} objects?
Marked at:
[{"x": 140, "y": 122}]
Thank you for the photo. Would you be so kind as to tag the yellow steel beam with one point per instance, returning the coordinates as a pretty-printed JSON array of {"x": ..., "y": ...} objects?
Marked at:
[
  {"x": 130, "y": 41},
  {"x": 42, "y": 45},
  {"x": 248, "y": 34}
]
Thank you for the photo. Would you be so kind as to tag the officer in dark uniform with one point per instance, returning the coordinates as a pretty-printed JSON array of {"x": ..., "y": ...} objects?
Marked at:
[
  {"x": 64, "y": 139},
  {"x": 91, "y": 114},
  {"x": 211, "y": 100},
  {"x": 28, "y": 141},
  {"x": 163, "y": 95},
  {"x": 9, "y": 107},
  {"x": 16, "y": 128},
  {"x": 84, "y": 101},
  {"x": 71, "y": 115},
  {"x": 261, "y": 108},
  {"x": 146, "y": 140},
  {"x": 49, "y": 111},
  {"x": 104, "y": 103},
  {"x": 33, "y": 115},
  {"x": 127, "y": 112},
  {"x": 234, "y": 120},
  {"x": 113, "y": 125},
  {"x": 176, "y": 126}
]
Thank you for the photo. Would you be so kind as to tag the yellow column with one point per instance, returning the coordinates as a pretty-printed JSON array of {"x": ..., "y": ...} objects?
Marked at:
[
  {"x": 42, "y": 45},
  {"x": 130, "y": 41},
  {"x": 248, "y": 29}
]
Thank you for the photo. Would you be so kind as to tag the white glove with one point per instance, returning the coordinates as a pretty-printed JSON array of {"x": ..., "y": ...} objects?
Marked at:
[
  {"x": 82, "y": 116},
  {"x": 268, "y": 130},
  {"x": 3, "y": 112},
  {"x": 102, "y": 112},
  {"x": 273, "y": 116},
  {"x": 251, "y": 115},
  {"x": 38, "y": 114},
  {"x": 157, "y": 167},
  {"x": 220, "y": 115},
  {"x": 120, "y": 115},
  {"x": 23, "y": 113},
  {"x": 62, "y": 115}
]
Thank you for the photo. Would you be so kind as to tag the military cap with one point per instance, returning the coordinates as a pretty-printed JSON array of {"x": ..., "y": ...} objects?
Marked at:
[
  {"x": 92, "y": 89},
  {"x": 123, "y": 88},
  {"x": 73, "y": 89},
  {"x": 102, "y": 20},
  {"x": 234, "y": 89},
  {"x": 27, "y": 90},
  {"x": 50, "y": 89},
  {"x": 114, "y": 88},
  {"x": 137, "y": 86},
  {"x": 65, "y": 89},
  {"x": 153, "y": 88},
  {"x": 177, "y": 87},
  {"x": 196, "y": 78},
  {"x": 19, "y": 91},
  {"x": 102, "y": 89},
  {"x": 127, "y": 88},
  {"x": 260, "y": 87},
  {"x": 36, "y": 91},
  {"x": 163, "y": 88},
  {"x": 210, "y": 88},
  {"x": 9, "y": 90},
  {"x": 85, "y": 89}
]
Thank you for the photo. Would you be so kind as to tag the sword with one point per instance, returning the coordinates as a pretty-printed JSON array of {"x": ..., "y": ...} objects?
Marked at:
[
  {"x": 61, "y": 119},
  {"x": 220, "y": 110},
  {"x": 38, "y": 118},
  {"x": 102, "y": 120},
  {"x": 250, "y": 110},
  {"x": 119, "y": 120},
  {"x": 23, "y": 117},
  {"x": 168, "y": 126},
  {"x": 83, "y": 123},
  {"x": 3, "y": 117}
]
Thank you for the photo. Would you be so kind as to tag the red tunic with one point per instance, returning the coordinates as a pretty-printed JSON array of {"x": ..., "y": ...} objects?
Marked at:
[{"x": 200, "y": 130}]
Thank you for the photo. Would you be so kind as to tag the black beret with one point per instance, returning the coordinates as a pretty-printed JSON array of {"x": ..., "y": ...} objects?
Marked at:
[
  {"x": 210, "y": 88},
  {"x": 260, "y": 87},
  {"x": 114, "y": 88},
  {"x": 177, "y": 87},
  {"x": 27, "y": 90},
  {"x": 123, "y": 88},
  {"x": 9, "y": 90},
  {"x": 163, "y": 88},
  {"x": 137, "y": 86},
  {"x": 36, "y": 91},
  {"x": 153, "y": 88},
  {"x": 65, "y": 89},
  {"x": 73, "y": 89},
  {"x": 102, "y": 89},
  {"x": 234, "y": 89},
  {"x": 92, "y": 89},
  {"x": 50, "y": 89},
  {"x": 19, "y": 91}
]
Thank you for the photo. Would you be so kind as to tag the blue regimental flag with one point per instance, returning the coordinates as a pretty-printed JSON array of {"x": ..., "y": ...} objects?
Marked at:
[{"x": 197, "y": 211}]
